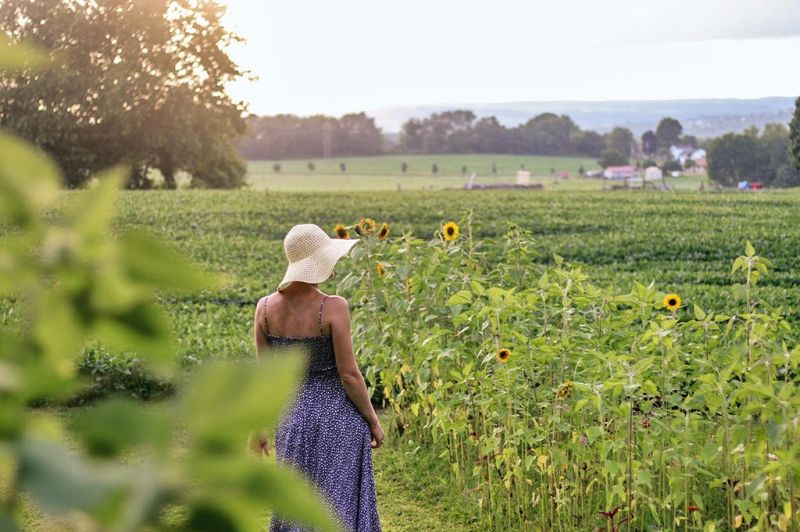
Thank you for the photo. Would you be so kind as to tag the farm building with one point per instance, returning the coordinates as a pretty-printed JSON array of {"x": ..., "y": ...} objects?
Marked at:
[
  {"x": 653, "y": 173},
  {"x": 619, "y": 172},
  {"x": 687, "y": 152}
]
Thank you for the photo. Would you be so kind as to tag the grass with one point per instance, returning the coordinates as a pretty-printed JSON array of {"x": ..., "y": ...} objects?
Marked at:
[
  {"x": 410, "y": 484},
  {"x": 384, "y": 172},
  {"x": 381, "y": 173}
]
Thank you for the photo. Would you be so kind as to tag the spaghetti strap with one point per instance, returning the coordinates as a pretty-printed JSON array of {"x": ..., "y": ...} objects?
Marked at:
[
  {"x": 266, "y": 322},
  {"x": 320, "y": 315}
]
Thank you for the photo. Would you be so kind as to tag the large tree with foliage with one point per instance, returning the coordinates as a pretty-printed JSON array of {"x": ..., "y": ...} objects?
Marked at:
[
  {"x": 620, "y": 140},
  {"x": 668, "y": 132},
  {"x": 649, "y": 142},
  {"x": 135, "y": 82},
  {"x": 794, "y": 136}
]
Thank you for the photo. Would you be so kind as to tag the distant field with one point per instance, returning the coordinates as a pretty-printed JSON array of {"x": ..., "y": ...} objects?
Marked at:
[{"x": 384, "y": 173}]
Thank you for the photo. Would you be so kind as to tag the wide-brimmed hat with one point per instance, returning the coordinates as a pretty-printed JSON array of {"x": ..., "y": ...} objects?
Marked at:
[{"x": 312, "y": 254}]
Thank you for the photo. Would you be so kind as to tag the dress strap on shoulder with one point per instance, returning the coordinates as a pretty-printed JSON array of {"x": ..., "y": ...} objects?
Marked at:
[
  {"x": 266, "y": 322},
  {"x": 320, "y": 314}
]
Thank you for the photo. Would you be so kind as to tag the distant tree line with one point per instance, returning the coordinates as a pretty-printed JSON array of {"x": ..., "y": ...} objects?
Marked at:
[
  {"x": 770, "y": 157},
  {"x": 460, "y": 131},
  {"x": 287, "y": 136}
]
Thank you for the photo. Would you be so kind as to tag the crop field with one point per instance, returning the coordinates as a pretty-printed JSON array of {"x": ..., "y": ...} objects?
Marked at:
[
  {"x": 385, "y": 173},
  {"x": 531, "y": 354}
]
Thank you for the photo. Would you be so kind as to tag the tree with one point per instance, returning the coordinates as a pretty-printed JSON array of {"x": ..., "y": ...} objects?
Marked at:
[
  {"x": 620, "y": 139},
  {"x": 589, "y": 143},
  {"x": 668, "y": 132},
  {"x": 649, "y": 142},
  {"x": 135, "y": 82},
  {"x": 404, "y": 167},
  {"x": 548, "y": 134},
  {"x": 794, "y": 136},
  {"x": 490, "y": 136},
  {"x": 612, "y": 158},
  {"x": 435, "y": 168},
  {"x": 732, "y": 158},
  {"x": 276, "y": 168},
  {"x": 357, "y": 134},
  {"x": 776, "y": 146}
]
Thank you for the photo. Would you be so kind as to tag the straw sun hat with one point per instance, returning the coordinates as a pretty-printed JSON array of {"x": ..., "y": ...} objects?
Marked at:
[{"x": 312, "y": 254}]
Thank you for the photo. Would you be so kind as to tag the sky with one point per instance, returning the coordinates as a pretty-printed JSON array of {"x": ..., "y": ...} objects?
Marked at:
[{"x": 335, "y": 57}]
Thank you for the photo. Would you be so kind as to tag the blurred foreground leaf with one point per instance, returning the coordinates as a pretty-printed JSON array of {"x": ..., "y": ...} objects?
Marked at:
[
  {"x": 119, "y": 424},
  {"x": 226, "y": 400},
  {"x": 18, "y": 56},
  {"x": 28, "y": 181},
  {"x": 150, "y": 261}
]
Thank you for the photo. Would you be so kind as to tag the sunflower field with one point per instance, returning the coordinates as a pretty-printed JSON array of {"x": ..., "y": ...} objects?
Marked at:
[{"x": 563, "y": 405}]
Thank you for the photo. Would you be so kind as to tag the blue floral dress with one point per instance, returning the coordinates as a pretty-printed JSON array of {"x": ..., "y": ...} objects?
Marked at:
[{"x": 323, "y": 434}]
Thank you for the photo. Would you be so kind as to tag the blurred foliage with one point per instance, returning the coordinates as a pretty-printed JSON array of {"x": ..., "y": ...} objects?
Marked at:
[{"x": 72, "y": 282}]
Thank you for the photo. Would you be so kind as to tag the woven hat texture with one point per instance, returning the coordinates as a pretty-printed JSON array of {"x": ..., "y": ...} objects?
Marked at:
[{"x": 312, "y": 254}]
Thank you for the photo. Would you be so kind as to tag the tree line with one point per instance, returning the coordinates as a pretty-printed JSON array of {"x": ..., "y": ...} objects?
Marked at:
[
  {"x": 460, "y": 131},
  {"x": 771, "y": 156},
  {"x": 287, "y": 136}
]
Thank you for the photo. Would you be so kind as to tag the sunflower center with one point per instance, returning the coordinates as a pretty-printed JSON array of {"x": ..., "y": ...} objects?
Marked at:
[
  {"x": 449, "y": 230},
  {"x": 672, "y": 302}
]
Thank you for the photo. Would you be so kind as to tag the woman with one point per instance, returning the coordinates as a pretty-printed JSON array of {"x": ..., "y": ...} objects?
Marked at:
[{"x": 329, "y": 429}]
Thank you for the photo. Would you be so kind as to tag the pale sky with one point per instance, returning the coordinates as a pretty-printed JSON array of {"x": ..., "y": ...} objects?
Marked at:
[{"x": 334, "y": 57}]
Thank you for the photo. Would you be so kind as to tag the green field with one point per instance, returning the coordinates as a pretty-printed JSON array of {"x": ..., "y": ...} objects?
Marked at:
[
  {"x": 384, "y": 173},
  {"x": 682, "y": 240}
]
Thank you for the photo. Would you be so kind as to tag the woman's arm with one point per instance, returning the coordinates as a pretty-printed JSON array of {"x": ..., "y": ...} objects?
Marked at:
[
  {"x": 349, "y": 374},
  {"x": 258, "y": 329}
]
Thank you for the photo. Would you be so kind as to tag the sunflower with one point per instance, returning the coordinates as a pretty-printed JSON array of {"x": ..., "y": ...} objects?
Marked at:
[
  {"x": 672, "y": 302},
  {"x": 341, "y": 231},
  {"x": 380, "y": 269},
  {"x": 450, "y": 231},
  {"x": 367, "y": 225},
  {"x": 384, "y": 232},
  {"x": 502, "y": 354},
  {"x": 565, "y": 390}
]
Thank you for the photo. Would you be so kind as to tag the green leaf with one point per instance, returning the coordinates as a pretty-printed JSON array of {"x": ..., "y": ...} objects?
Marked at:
[
  {"x": 60, "y": 481},
  {"x": 19, "y": 56},
  {"x": 749, "y": 250},
  {"x": 462, "y": 297},
  {"x": 29, "y": 180},
  {"x": 699, "y": 314},
  {"x": 119, "y": 424},
  {"x": 91, "y": 214},
  {"x": 148, "y": 260},
  {"x": 278, "y": 486},
  {"x": 7, "y": 524},
  {"x": 223, "y": 401},
  {"x": 142, "y": 329}
]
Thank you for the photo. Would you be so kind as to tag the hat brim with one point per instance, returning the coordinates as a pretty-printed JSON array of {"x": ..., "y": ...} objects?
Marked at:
[{"x": 318, "y": 266}]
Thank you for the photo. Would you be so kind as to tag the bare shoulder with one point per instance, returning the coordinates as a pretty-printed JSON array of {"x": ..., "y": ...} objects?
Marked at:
[
  {"x": 262, "y": 300},
  {"x": 338, "y": 304}
]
